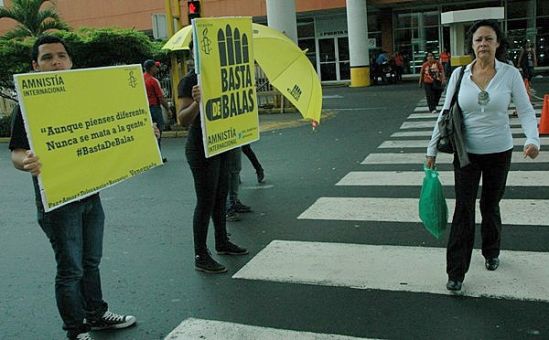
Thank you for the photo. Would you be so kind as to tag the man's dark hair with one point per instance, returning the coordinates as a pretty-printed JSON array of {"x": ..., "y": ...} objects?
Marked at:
[
  {"x": 47, "y": 39},
  {"x": 501, "y": 39}
]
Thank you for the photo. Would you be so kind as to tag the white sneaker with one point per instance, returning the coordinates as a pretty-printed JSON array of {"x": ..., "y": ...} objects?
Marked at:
[
  {"x": 84, "y": 336},
  {"x": 110, "y": 320}
]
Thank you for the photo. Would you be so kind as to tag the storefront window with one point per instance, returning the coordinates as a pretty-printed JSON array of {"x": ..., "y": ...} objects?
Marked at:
[{"x": 414, "y": 35}]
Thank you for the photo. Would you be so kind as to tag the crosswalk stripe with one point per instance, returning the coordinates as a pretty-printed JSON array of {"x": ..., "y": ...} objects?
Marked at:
[
  {"x": 513, "y": 211},
  {"x": 521, "y": 275},
  {"x": 423, "y": 143},
  {"x": 419, "y": 133},
  {"x": 210, "y": 329},
  {"x": 442, "y": 158},
  {"x": 415, "y": 178},
  {"x": 431, "y": 124}
]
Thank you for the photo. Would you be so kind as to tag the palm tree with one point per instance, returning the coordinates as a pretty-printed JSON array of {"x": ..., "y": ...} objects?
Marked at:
[{"x": 31, "y": 18}]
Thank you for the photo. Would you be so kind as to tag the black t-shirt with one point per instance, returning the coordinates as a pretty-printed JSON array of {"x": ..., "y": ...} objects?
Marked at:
[
  {"x": 185, "y": 90},
  {"x": 19, "y": 139}
]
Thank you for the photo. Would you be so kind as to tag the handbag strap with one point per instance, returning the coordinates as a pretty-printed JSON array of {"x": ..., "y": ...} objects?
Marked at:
[{"x": 458, "y": 85}]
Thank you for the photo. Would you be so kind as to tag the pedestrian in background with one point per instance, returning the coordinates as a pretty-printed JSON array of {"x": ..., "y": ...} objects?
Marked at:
[
  {"x": 399, "y": 65},
  {"x": 155, "y": 95},
  {"x": 260, "y": 173},
  {"x": 487, "y": 87},
  {"x": 75, "y": 230},
  {"x": 527, "y": 61},
  {"x": 445, "y": 60},
  {"x": 211, "y": 182},
  {"x": 234, "y": 206},
  {"x": 432, "y": 78}
]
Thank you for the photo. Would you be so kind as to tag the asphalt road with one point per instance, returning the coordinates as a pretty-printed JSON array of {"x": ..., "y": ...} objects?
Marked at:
[{"x": 148, "y": 269}]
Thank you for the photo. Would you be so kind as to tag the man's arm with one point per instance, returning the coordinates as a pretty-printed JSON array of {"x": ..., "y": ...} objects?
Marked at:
[{"x": 25, "y": 160}]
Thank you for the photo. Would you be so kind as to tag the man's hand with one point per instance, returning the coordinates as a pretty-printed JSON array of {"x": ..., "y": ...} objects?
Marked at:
[
  {"x": 31, "y": 163},
  {"x": 531, "y": 151},
  {"x": 156, "y": 131}
]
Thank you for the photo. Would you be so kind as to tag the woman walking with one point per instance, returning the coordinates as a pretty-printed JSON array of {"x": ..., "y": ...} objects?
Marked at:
[
  {"x": 432, "y": 78},
  {"x": 487, "y": 87}
]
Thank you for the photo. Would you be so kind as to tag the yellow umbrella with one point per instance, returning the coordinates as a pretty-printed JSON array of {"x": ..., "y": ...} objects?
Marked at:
[
  {"x": 289, "y": 70},
  {"x": 180, "y": 40},
  {"x": 284, "y": 63}
]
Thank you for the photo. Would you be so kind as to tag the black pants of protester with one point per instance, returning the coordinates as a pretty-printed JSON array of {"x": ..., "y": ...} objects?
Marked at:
[
  {"x": 432, "y": 95},
  {"x": 211, "y": 179},
  {"x": 247, "y": 150},
  {"x": 494, "y": 169}
]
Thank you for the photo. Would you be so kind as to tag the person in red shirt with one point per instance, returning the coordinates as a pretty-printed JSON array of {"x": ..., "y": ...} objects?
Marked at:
[
  {"x": 432, "y": 78},
  {"x": 155, "y": 95},
  {"x": 399, "y": 65},
  {"x": 445, "y": 61}
]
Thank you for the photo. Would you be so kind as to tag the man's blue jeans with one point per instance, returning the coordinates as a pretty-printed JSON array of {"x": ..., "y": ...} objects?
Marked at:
[
  {"x": 234, "y": 157},
  {"x": 75, "y": 232}
]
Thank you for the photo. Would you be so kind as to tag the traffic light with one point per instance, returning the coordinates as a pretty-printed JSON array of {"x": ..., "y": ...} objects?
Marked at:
[{"x": 193, "y": 9}]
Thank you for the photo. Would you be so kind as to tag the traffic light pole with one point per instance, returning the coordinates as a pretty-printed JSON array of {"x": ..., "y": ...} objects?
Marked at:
[{"x": 174, "y": 70}]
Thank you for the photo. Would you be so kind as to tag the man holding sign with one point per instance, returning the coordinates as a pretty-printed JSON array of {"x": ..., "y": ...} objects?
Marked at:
[{"x": 75, "y": 230}]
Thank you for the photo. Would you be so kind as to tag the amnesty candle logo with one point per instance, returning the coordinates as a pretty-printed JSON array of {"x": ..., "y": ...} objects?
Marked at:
[{"x": 43, "y": 85}]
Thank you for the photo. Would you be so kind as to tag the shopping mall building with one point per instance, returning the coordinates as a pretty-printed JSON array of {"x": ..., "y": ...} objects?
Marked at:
[{"x": 411, "y": 27}]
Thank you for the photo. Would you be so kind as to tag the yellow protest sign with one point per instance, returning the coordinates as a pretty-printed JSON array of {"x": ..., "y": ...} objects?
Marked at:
[
  {"x": 91, "y": 129},
  {"x": 226, "y": 75}
]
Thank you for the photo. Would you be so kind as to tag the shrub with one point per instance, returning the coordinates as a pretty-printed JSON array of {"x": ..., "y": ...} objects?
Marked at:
[{"x": 5, "y": 126}]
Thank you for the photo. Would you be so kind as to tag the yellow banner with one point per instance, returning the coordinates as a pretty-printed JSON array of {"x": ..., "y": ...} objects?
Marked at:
[
  {"x": 91, "y": 129},
  {"x": 226, "y": 75}
]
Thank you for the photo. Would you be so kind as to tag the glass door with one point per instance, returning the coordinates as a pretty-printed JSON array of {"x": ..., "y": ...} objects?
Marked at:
[
  {"x": 328, "y": 65},
  {"x": 334, "y": 59}
]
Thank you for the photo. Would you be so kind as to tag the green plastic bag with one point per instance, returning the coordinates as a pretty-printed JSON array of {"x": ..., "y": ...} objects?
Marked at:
[{"x": 433, "y": 210}]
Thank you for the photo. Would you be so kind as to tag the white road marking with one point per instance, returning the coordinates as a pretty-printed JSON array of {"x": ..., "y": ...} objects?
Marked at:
[
  {"x": 442, "y": 158},
  {"x": 423, "y": 143},
  {"x": 513, "y": 211},
  {"x": 430, "y": 132},
  {"x": 521, "y": 275},
  {"x": 415, "y": 178},
  {"x": 199, "y": 329}
]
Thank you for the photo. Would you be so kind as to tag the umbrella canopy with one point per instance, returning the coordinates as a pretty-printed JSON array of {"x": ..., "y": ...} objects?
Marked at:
[
  {"x": 288, "y": 70},
  {"x": 284, "y": 63},
  {"x": 180, "y": 40}
]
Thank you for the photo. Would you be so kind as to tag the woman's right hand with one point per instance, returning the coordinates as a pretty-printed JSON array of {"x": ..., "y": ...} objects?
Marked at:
[
  {"x": 430, "y": 162},
  {"x": 196, "y": 93}
]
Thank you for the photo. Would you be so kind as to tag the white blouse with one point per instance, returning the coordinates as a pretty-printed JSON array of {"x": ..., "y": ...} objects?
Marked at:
[{"x": 486, "y": 127}]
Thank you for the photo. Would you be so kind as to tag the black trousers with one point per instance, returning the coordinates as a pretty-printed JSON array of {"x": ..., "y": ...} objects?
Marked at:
[
  {"x": 247, "y": 150},
  {"x": 432, "y": 95},
  {"x": 494, "y": 169},
  {"x": 211, "y": 183}
]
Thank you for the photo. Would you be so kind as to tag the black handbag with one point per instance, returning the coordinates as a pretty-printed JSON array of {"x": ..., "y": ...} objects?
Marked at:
[{"x": 446, "y": 126}]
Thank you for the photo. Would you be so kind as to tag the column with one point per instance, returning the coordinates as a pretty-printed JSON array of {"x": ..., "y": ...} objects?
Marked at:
[
  {"x": 358, "y": 42},
  {"x": 281, "y": 16}
]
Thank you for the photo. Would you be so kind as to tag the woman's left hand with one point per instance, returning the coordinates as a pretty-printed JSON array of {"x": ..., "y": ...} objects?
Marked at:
[{"x": 531, "y": 151}]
